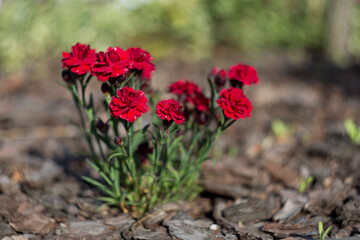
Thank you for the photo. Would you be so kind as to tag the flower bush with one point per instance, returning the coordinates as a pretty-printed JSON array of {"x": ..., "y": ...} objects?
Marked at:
[{"x": 142, "y": 165}]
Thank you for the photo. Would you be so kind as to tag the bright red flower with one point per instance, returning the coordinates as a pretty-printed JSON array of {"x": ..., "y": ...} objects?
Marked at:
[
  {"x": 234, "y": 103},
  {"x": 140, "y": 59},
  {"x": 113, "y": 63},
  {"x": 129, "y": 104},
  {"x": 170, "y": 110},
  {"x": 219, "y": 76},
  {"x": 245, "y": 74},
  {"x": 79, "y": 59}
]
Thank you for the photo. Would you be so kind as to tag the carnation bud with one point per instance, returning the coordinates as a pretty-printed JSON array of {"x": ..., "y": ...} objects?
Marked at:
[
  {"x": 105, "y": 88},
  {"x": 201, "y": 117},
  {"x": 219, "y": 76},
  {"x": 118, "y": 141},
  {"x": 68, "y": 76},
  {"x": 236, "y": 84},
  {"x": 103, "y": 127},
  {"x": 112, "y": 80}
]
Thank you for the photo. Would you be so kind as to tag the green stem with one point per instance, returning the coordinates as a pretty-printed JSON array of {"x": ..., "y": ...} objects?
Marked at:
[
  {"x": 129, "y": 130},
  {"x": 101, "y": 149},
  {"x": 225, "y": 126},
  {"x": 212, "y": 102},
  {"x": 82, "y": 119},
  {"x": 159, "y": 152}
]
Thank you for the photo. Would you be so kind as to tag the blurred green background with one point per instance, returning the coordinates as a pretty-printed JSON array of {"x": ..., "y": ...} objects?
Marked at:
[{"x": 36, "y": 31}]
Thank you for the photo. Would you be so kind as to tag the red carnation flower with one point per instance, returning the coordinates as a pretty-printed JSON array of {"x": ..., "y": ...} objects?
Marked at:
[
  {"x": 129, "y": 104},
  {"x": 201, "y": 102},
  {"x": 219, "y": 76},
  {"x": 234, "y": 103},
  {"x": 184, "y": 87},
  {"x": 170, "y": 110},
  {"x": 113, "y": 63},
  {"x": 79, "y": 59},
  {"x": 189, "y": 91},
  {"x": 245, "y": 74},
  {"x": 140, "y": 59}
]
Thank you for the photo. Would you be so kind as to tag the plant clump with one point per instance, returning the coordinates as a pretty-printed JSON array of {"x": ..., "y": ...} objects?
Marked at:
[{"x": 142, "y": 165}]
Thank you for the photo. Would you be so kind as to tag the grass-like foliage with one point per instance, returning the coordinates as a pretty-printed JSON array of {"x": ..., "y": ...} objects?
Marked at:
[
  {"x": 323, "y": 234},
  {"x": 303, "y": 184}
]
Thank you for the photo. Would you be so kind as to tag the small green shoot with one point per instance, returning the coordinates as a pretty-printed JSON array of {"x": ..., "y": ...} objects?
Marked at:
[
  {"x": 280, "y": 129},
  {"x": 322, "y": 233},
  {"x": 304, "y": 183},
  {"x": 233, "y": 151},
  {"x": 218, "y": 153},
  {"x": 352, "y": 130}
]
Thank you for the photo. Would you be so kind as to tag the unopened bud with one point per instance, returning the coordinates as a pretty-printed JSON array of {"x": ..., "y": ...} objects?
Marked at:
[
  {"x": 118, "y": 141},
  {"x": 103, "y": 127},
  {"x": 68, "y": 76},
  {"x": 219, "y": 76},
  {"x": 105, "y": 88}
]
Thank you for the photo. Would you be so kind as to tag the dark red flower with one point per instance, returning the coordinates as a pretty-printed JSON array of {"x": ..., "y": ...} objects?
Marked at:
[
  {"x": 219, "y": 76},
  {"x": 201, "y": 102},
  {"x": 190, "y": 92},
  {"x": 113, "y": 63},
  {"x": 234, "y": 103},
  {"x": 170, "y": 110},
  {"x": 79, "y": 59},
  {"x": 129, "y": 104},
  {"x": 140, "y": 60},
  {"x": 245, "y": 74},
  {"x": 184, "y": 87}
]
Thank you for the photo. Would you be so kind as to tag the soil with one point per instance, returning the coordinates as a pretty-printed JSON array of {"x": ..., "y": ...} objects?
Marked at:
[{"x": 251, "y": 193}]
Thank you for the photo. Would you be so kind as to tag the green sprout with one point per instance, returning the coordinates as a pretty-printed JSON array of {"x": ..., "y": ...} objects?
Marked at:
[
  {"x": 322, "y": 233},
  {"x": 304, "y": 183},
  {"x": 352, "y": 130},
  {"x": 233, "y": 151},
  {"x": 280, "y": 129}
]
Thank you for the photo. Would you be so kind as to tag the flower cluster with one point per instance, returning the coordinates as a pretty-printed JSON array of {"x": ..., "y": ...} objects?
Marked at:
[
  {"x": 161, "y": 161},
  {"x": 188, "y": 91},
  {"x": 232, "y": 101},
  {"x": 114, "y": 63}
]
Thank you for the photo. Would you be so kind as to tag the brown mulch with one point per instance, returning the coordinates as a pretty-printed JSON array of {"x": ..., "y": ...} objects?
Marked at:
[{"x": 250, "y": 194}]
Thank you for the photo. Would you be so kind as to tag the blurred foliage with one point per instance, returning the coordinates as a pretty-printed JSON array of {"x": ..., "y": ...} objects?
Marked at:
[{"x": 41, "y": 29}]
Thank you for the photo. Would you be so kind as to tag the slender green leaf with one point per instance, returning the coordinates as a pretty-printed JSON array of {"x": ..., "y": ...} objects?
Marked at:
[
  {"x": 100, "y": 186},
  {"x": 326, "y": 232},
  {"x": 320, "y": 228},
  {"x": 93, "y": 165},
  {"x": 144, "y": 130},
  {"x": 120, "y": 155},
  {"x": 106, "y": 179},
  {"x": 109, "y": 200}
]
